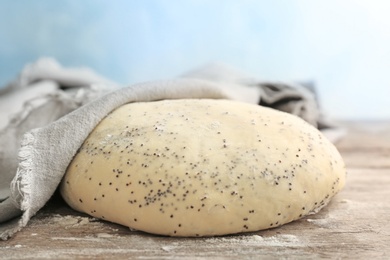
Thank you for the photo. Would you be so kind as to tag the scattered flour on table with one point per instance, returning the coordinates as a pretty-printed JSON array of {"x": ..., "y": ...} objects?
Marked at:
[
  {"x": 282, "y": 240},
  {"x": 104, "y": 235},
  {"x": 68, "y": 221},
  {"x": 8, "y": 247},
  {"x": 87, "y": 238},
  {"x": 241, "y": 242},
  {"x": 322, "y": 222},
  {"x": 331, "y": 220}
]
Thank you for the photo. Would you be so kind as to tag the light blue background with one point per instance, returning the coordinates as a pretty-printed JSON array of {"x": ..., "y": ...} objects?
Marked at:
[{"x": 343, "y": 45}]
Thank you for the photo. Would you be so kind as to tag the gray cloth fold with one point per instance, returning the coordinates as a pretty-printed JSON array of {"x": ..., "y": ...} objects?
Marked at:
[
  {"x": 293, "y": 98},
  {"x": 57, "y": 108}
]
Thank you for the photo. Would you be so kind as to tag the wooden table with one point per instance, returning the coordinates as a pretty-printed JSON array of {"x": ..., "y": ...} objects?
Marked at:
[{"x": 356, "y": 224}]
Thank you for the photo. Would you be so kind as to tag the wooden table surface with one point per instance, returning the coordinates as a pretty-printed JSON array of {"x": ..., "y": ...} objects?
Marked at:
[{"x": 355, "y": 225}]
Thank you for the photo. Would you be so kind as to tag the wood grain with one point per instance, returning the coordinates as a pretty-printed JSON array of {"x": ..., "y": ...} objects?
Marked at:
[{"x": 355, "y": 225}]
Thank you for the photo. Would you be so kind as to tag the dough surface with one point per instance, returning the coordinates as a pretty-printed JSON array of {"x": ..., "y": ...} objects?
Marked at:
[{"x": 202, "y": 168}]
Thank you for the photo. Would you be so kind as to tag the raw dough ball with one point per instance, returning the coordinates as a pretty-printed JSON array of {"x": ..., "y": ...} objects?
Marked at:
[{"x": 202, "y": 168}]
